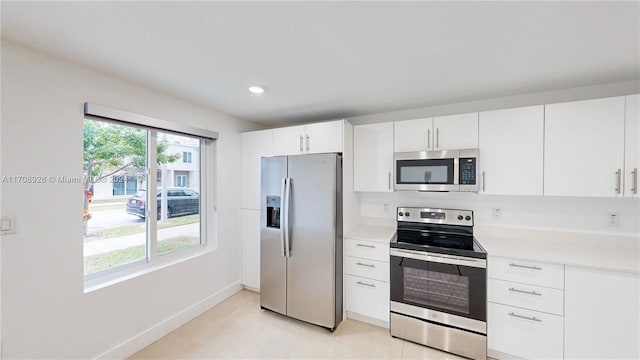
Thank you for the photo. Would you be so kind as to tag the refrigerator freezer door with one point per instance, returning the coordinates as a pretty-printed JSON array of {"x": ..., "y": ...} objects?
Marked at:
[
  {"x": 273, "y": 264},
  {"x": 311, "y": 271}
]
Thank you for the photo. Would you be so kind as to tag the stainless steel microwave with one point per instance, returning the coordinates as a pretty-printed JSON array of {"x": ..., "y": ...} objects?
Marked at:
[{"x": 448, "y": 170}]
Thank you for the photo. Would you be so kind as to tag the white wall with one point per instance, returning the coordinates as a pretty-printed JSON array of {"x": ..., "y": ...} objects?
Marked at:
[
  {"x": 545, "y": 212},
  {"x": 46, "y": 313}
]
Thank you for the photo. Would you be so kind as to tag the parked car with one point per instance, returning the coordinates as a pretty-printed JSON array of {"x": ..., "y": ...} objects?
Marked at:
[{"x": 181, "y": 201}]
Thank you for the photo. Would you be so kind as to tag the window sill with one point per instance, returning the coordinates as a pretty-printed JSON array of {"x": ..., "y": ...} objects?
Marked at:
[{"x": 135, "y": 271}]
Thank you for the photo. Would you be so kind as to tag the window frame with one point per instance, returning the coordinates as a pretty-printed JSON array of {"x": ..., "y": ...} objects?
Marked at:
[{"x": 207, "y": 196}]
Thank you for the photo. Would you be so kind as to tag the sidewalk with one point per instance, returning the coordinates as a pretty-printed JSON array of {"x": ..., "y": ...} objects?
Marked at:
[{"x": 123, "y": 242}]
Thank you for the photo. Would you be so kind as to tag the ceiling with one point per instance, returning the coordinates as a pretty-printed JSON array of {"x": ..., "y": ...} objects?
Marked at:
[{"x": 324, "y": 60}]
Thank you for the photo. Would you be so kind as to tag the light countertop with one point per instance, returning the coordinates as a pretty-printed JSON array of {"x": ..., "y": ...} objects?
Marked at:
[
  {"x": 373, "y": 230},
  {"x": 594, "y": 250}
]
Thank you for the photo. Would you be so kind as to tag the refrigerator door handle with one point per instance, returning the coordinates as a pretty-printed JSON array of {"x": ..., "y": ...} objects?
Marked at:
[
  {"x": 287, "y": 203},
  {"x": 282, "y": 214}
]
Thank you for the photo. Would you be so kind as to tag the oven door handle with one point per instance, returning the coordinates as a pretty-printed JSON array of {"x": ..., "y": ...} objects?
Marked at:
[{"x": 439, "y": 258}]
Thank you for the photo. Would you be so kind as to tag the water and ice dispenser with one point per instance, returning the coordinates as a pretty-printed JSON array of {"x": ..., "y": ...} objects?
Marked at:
[{"x": 273, "y": 211}]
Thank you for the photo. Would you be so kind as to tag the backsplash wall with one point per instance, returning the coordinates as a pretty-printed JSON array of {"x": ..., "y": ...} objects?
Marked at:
[{"x": 544, "y": 212}]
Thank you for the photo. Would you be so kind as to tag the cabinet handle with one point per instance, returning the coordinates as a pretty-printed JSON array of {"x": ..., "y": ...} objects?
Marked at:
[
  {"x": 634, "y": 189},
  {"x": 365, "y": 245},
  {"x": 367, "y": 265},
  {"x": 483, "y": 182},
  {"x": 308, "y": 143},
  {"x": 525, "y": 292},
  {"x": 533, "y": 318},
  {"x": 301, "y": 150},
  {"x": 365, "y": 284},
  {"x": 428, "y": 139},
  {"x": 389, "y": 180},
  {"x": 525, "y": 266},
  {"x": 618, "y": 180},
  {"x": 437, "y": 138}
]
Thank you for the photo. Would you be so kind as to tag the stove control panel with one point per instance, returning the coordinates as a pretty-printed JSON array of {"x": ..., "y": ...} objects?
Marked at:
[{"x": 436, "y": 216}]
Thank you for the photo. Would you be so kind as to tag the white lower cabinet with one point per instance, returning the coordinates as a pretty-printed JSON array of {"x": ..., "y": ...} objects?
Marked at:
[
  {"x": 602, "y": 314},
  {"x": 525, "y": 312},
  {"x": 524, "y": 333},
  {"x": 367, "y": 281}
]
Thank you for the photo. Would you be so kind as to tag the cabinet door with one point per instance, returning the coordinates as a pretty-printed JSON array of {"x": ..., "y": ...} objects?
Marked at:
[
  {"x": 584, "y": 148},
  {"x": 511, "y": 145},
  {"x": 288, "y": 140},
  {"x": 632, "y": 146},
  {"x": 251, "y": 248},
  {"x": 255, "y": 145},
  {"x": 367, "y": 297},
  {"x": 602, "y": 320},
  {"x": 323, "y": 137},
  {"x": 373, "y": 157},
  {"x": 455, "y": 131},
  {"x": 413, "y": 135}
]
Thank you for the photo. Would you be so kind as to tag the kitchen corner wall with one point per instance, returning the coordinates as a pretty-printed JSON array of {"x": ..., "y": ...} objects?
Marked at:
[
  {"x": 45, "y": 311},
  {"x": 557, "y": 213}
]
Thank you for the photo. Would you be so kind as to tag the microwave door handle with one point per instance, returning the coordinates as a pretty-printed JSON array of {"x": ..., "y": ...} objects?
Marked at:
[{"x": 428, "y": 139}]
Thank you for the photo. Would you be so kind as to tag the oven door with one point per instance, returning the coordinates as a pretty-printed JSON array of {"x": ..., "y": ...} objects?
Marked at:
[
  {"x": 427, "y": 171},
  {"x": 439, "y": 287}
]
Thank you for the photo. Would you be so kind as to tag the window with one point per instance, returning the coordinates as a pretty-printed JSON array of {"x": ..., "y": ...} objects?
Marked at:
[
  {"x": 181, "y": 180},
  {"x": 121, "y": 229}
]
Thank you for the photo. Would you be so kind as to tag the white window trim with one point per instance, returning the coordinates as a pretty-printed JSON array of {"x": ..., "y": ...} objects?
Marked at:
[{"x": 208, "y": 198}]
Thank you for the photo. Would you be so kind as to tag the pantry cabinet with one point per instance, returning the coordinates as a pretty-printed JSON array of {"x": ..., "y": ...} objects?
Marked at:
[
  {"x": 316, "y": 138},
  {"x": 632, "y": 146},
  {"x": 438, "y": 133},
  {"x": 373, "y": 157},
  {"x": 511, "y": 143},
  {"x": 584, "y": 148},
  {"x": 602, "y": 317}
]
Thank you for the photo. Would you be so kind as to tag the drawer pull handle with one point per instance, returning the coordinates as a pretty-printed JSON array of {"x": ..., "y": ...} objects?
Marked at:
[
  {"x": 533, "y": 318},
  {"x": 367, "y": 265},
  {"x": 367, "y": 246},
  {"x": 365, "y": 284},
  {"x": 526, "y": 266},
  {"x": 525, "y": 292}
]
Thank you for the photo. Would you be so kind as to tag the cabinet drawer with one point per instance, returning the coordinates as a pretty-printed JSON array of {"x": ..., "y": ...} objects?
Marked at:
[
  {"x": 526, "y": 296},
  {"x": 367, "y": 297},
  {"x": 371, "y": 269},
  {"x": 524, "y": 333},
  {"x": 368, "y": 250},
  {"x": 527, "y": 272}
]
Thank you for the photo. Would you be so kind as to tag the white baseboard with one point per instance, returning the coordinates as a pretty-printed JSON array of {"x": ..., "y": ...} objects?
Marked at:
[
  {"x": 152, "y": 334},
  {"x": 251, "y": 288},
  {"x": 368, "y": 319}
]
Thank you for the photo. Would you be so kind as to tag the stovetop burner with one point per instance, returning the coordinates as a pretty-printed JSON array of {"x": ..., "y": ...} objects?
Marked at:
[{"x": 439, "y": 231}]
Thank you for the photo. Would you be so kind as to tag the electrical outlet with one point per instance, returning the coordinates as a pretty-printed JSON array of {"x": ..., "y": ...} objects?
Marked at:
[
  {"x": 614, "y": 219},
  {"x": 385, "y": 208},
  {"x": 497, "y": 214}
]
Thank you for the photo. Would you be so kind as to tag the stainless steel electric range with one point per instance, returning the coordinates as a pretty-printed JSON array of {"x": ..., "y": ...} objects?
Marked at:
[{"x": 439, "y": 282}]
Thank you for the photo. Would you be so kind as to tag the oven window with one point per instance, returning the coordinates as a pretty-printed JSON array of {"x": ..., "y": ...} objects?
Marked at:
[{"x": 437, "y": 289}]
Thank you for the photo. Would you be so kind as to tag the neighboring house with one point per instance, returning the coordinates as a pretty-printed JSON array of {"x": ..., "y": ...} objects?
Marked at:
[{"x": 185, "y": 172}]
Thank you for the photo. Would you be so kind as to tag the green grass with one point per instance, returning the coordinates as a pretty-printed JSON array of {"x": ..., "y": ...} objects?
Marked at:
[
  {"x": 99, "y": 262},
  {"x": 141, "y": 228}
]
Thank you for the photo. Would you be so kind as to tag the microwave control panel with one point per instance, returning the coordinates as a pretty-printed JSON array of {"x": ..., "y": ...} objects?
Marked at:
[{"x": 468, "y": 171}]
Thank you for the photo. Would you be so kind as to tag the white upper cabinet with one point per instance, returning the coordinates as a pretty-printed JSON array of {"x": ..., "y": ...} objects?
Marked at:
[
  {"x": 308, "y": 139},
  {"x": 255, "y": 145},
  {"x": 412, "y": 135},
  {"x": 584, "y": 148},
  {"x": 439, "y": 133},
  {"x": 455, "y": 132},
  {"x": 511, "y": 143},
  {"x": 632, "y": 146},
  {"x": 373, "y": 157}
]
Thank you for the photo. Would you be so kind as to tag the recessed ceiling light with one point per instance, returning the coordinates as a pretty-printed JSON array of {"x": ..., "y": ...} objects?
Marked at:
[{"x": 257, "y": 89}]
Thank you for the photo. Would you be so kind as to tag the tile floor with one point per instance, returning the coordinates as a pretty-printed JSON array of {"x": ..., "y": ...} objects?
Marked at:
[{"x": 238, "y": 328}]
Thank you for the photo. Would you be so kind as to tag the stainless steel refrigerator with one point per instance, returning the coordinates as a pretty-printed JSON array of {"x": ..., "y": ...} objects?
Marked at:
[{"x": 301, "y": 237}]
